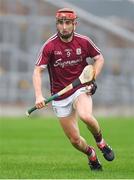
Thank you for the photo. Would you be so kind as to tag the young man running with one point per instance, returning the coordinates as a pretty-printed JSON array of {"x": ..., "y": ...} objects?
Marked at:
[{"x": 64, "y": 54}]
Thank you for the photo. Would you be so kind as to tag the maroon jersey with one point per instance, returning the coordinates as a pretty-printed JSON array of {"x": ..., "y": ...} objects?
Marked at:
[{"x": 66, "y": 61}]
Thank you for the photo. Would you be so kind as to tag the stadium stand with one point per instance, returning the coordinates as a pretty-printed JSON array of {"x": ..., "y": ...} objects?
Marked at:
[{"x": 25, "y": 25}]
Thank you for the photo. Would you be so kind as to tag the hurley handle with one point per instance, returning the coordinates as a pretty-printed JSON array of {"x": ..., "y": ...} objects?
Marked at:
[{"x": 29, "y": 111}]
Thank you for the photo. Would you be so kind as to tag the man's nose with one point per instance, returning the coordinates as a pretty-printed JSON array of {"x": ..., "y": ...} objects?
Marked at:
[{"x": 64, "y": 25}]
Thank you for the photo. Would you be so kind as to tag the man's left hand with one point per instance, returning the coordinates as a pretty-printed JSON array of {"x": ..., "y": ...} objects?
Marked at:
[{"x": 91, "y": 89}]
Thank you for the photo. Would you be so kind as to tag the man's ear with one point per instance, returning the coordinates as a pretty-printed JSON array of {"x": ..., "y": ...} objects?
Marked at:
[{"x": 75, "y": 23}]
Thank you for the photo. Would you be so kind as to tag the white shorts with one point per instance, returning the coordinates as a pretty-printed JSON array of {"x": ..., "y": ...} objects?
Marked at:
[{"x": 64, "y": 108}]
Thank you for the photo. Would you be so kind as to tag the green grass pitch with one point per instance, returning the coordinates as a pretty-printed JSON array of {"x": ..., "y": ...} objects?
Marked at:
[{"x": 36, "y": 148}]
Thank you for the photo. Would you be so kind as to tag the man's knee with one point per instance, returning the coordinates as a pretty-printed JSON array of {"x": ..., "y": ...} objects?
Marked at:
[{"x": 86, "y": 117}]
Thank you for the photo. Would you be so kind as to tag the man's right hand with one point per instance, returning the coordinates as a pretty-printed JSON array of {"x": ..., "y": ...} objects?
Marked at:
[{"x": 40, "y": 102}]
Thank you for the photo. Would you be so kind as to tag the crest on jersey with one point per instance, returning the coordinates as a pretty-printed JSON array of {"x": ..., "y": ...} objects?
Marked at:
[{"x": 78, "y": 51}]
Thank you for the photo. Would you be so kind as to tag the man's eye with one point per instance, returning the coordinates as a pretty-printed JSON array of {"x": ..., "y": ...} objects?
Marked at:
[
  {"x": 68, "y": 22},
  {"x": 60, "y": 22}
]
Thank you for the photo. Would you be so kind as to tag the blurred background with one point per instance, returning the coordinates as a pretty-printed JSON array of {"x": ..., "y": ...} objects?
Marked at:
[{"x": 26, "y": 25}]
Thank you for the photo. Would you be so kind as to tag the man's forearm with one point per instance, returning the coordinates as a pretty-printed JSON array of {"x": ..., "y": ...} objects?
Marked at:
[
  {"x": 98, "y": 64},
  {"x": 37, "y": 82}
]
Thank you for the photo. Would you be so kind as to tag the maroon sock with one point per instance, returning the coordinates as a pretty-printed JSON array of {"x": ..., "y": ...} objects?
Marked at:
[
  {"x": 98, "y": 137},
  {"x": 89, "y": 151}
]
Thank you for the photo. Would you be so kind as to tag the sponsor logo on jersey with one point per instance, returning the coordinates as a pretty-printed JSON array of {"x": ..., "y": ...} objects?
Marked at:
[
  {"x": 78, "y": 51},
  {"x": 62, "y": 64}
]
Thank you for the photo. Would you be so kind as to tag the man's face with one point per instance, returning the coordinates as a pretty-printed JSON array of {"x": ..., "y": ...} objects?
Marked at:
[{"x": 65, "y": 28}]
